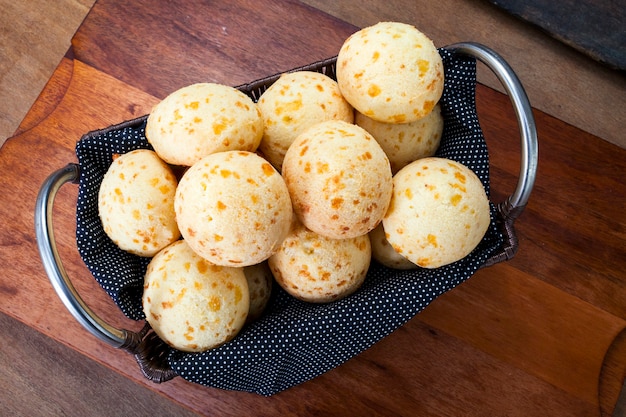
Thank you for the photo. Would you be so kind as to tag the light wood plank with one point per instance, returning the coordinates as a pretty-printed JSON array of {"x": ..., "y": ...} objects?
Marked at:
[{"x": 35, "y": 35}]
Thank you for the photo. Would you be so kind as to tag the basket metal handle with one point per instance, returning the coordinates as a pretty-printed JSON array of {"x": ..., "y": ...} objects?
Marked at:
[
  {"x": 134, "y": 342},
  {"x": 55, "y": 270},
  {"x": 525, "y": 119},
  {"x": 512, "y": 207},
  {"x": 144, "y": 345}
]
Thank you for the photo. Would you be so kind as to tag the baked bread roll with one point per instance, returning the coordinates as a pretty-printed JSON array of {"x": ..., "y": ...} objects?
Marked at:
[
  {"x": 439, "y": 212},
  {"x": 295, "y": 102},
  {"x": 233, "y": 208},
  {"x": 405, "y": 142},
  {"x": 260, "y": 282},
  {"x": 390, "y": 72},
  {"x": 317, "y": 269},
  {"x": 136, "y": 203},
  {"x": 384, "y": 253},
  {"x": 191, "y": 304},
  {"x": 339, "y": 179},
  {"x": 201, "y": 119}
]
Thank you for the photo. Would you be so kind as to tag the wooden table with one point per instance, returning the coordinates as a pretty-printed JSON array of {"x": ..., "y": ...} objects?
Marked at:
[{"x": 542, "y": 334}]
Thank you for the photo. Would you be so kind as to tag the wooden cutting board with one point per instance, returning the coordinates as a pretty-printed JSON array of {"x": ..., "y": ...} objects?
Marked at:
[{"x": 543, "y": 334}]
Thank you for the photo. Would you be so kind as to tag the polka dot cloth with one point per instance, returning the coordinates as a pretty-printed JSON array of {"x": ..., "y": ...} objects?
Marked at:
[
  {"x": 294, "y": 341},
  {"x": 119, "y": 273}
]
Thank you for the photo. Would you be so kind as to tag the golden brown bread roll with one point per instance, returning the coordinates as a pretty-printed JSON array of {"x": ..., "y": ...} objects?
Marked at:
[
  {"x": 201, "y": 119},
  {"x": 384, "y": 253},
  {"x": 405, "y": 142},
  {"x": 136, "y": 203},
  {"x": 260, "y": 282},
  {"x": 295, "y": 102},
  {"x": 439, "y": 212},
  {"x": 192, "y": 304},
  {"x": 390, "y": 72},
  {"x": 339, "y": 179},
  {"x": 318, "y": 269},
  {"x": 233, "y": 208}
]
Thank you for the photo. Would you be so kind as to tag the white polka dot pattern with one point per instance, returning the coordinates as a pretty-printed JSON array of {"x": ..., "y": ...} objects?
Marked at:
[
  {"x": 119, "y": 273},
  {"x": 294, "y": 341}
]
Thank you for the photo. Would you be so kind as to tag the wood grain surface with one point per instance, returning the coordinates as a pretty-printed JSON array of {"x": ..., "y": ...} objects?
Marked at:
[
  {"x": 542, "y": 334},
  {"x": 559, "y": 80},
  {"x": 227, "y": 51},
  {"x": 61, "y": 371},
  {"x": 34, "y": 35}
]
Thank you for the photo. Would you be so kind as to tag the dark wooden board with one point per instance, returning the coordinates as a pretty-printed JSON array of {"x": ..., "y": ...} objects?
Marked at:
[
  {"x": 177, "y": 44},
  {"x": 595, "y": 27},
  {"x": 58, "y": 381}
]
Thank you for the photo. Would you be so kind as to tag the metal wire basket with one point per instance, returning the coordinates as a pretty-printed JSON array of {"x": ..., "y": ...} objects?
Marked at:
[{"x": 160, "y": 363}]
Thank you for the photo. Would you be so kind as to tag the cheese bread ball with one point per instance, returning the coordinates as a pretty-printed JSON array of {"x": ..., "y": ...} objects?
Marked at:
[
  {"x": 318, "y": 269},
  {"x": 191, "y": 304},
  {"x": 136, "y": 203},
  {"x": 201, "y": 119},
  {"x": 390, "y": 72},
  {"x": 339, "y": 179},
  {"x": 384, "y": 253},
  {"x": 405, "y": 142},
  {"x": 233, "y": 208},
  {"x": 439, "y": 212},
  {"x": 295, "y": 102},
  {"x": 260, "y": 281}
]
